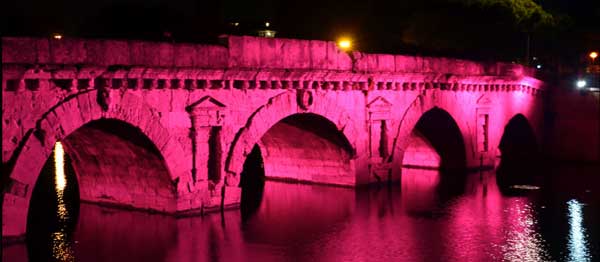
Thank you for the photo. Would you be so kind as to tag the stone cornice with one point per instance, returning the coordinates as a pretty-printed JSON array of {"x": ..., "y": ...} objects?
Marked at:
[{"x": 244, "y": 63}]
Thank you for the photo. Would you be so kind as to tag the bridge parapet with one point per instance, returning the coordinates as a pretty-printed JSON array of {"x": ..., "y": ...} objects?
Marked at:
[
  {"x": 238, "y": 52},
  {"x": 244, "y": 63}
]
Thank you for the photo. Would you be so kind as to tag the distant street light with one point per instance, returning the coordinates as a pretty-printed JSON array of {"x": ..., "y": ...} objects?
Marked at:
[
  {"x": 266, "y": 32},
  {"x": 344, "y": 44},
  {"x": 581, "y": 84},
  {"x": 57, "y": 36},
  {"x": 593, "y": 56}
]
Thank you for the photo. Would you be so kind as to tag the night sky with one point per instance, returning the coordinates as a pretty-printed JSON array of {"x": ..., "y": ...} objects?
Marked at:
[{"x": 457, "y": 28}]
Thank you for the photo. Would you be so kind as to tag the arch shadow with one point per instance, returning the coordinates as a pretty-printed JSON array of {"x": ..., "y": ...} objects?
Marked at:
[
  {"x": 107, "y": 162},
  {"x": 53, "y": 212},
  {"x": 520, "y": 156},
  {"x": 437, "y": 143},
  {"x": 278, "y": 110},
  {"x": 441, "y": 131},
  {"x": 301, "y": 148},
  {"x": 405, "y": 128},
  {"x": 252, "y": 182}
]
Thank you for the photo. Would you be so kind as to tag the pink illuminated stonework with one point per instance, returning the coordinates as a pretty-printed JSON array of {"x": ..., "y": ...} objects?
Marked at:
[{"x": 167, "y": 127}]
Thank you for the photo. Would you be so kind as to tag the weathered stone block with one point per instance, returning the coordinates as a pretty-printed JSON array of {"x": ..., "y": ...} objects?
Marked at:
[
  {"x": 165, "y": 54},
  {"x": 269, "y": 53},
  {"x": 184, "y": 55},
  {"x": 20, "y": 50},
  {"x": 68, "y": 51}
]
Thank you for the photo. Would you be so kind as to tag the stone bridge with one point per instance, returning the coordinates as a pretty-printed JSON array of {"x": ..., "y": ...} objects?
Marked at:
[{"x": 170, "y": 127}]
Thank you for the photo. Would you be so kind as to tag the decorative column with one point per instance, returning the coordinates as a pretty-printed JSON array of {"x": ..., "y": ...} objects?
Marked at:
[
  {"x": 482, "y": 136},
  {"x": 379, "y": 119},
  {"x": 207, "y": 116}
]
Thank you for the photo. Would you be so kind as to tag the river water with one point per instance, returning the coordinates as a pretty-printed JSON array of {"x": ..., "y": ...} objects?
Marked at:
[{"x": 420, "y": 220}]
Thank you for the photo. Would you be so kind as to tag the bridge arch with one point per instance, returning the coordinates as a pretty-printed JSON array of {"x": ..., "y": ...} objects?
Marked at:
[
  {"x": 269, "y": 124},
  {"x": 444, "y": 107},
  {"x": 86, "y": 130},
  {"x": 435, "y": 142},
  {"x": 519, "y": 153},
  {"x": 518, "y": 138}
]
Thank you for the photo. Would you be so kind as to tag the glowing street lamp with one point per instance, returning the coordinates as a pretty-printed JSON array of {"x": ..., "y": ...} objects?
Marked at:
[
  {"x": 581, "y": 84},
  {"x": 57, "y": 36},
  {"x": 344, "y": 44},
  {"x": 593, "y": 56}
]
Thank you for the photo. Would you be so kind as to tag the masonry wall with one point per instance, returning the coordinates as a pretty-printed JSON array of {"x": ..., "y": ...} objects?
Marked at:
[
  {"x": 116, "y": 171},
  {"x": 291, "y": 153},
  {"x": 170, "y": 105},
  {"x": 420, "y": 153}
]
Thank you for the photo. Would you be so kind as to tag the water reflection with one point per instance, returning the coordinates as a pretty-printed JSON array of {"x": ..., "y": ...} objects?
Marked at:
[
  {"x": 59, "y": 168},
  {"x": 61, "y": 246},
  {"x": 417, "y": 221},
  {"x": 523, "y": 242},
  {"x": 51, "y": 223},
  {"x": 105, "y": 234},
  {"x": 578, "y": 250}
]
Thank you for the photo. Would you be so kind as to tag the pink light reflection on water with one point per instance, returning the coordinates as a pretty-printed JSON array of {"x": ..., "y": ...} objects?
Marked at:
[
  {"x": 523, "y": 242},
  {"x": 317, "y": 223}
]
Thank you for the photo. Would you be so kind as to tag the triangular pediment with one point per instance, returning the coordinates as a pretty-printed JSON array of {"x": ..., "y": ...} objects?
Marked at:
[
  {"x": 379, "y": 102},
  {"x": 484, "y": 100},
  {"x": 206, "y": 102}
]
